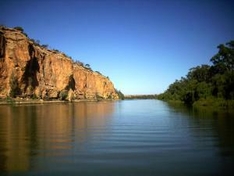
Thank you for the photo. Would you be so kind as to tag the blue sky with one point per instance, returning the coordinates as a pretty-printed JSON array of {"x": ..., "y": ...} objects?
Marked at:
[{"x": 141, "y": 45}]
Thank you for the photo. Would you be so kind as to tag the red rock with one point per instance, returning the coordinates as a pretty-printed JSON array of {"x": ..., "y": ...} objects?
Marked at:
[{"x": 30, "y": 70}]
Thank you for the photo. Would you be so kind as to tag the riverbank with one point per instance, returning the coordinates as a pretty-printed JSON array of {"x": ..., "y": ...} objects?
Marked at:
[
  {"x": 7, "y": 101},
  {"x": 214, "y": 103}
]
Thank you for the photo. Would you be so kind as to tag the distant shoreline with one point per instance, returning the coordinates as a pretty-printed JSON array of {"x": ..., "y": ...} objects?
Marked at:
[{"x": 143, "y": 96}]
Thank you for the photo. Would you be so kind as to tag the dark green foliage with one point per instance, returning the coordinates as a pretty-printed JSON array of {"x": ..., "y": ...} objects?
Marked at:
[
  {"x": 132, "y": 97},
  {"x": 44, "y": 46},
  {"x": 63, "y": 95},
  {"x": 87, "y": 65},
  {"x": 77, "y": 62},
  {"x": 224, "y": 60},
  {"x": 36, "y": 42},
  {"x": 56, "y": 50},
  {"x": 19, "y": 28},
  {"x": 206, "y": 82}
]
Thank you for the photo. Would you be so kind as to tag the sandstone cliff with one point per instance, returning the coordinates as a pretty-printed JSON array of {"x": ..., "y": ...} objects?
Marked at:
[{"x": 29, "y": 70}]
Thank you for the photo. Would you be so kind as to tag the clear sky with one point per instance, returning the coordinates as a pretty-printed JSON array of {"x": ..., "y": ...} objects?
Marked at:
[{"x": 141, "y": 45}]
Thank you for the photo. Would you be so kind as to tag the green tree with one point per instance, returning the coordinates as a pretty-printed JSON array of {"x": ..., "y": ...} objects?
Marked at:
[
  {"x": 203, "y": 90},
  {"x": 206, "y": 81},
  {"x": 224, "y": 59},
  {"x": 223, "y": 71},
  {"x": 199, "y": 73}
]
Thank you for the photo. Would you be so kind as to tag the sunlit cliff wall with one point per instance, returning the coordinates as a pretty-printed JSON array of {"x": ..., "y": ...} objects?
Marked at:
[{"x": 28, "y": 69}]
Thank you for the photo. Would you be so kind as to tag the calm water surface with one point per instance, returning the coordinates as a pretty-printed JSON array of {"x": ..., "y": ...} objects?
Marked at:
[{"x": 137, "y": 137}]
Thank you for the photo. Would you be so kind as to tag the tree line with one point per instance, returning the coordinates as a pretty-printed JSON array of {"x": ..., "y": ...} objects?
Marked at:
[
  {"x": 149, "y": 96},
  {"x": 206, "y": 83}
]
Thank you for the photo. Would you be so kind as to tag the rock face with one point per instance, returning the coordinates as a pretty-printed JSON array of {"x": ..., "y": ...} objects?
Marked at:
[{"x": 29, "y": 70}]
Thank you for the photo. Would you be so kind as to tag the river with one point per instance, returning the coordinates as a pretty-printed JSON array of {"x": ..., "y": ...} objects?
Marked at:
[{"x": 130, "y": 137}]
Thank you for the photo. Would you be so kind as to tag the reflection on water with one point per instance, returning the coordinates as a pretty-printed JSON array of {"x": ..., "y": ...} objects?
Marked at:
[
  {"x": 45, "y": 130},
  {"x": 221, "y": 122},
  {"x": 137, "y": 137}
]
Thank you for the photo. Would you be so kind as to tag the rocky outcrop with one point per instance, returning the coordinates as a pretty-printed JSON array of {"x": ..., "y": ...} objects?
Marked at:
[{"x": 29, "y": 70}]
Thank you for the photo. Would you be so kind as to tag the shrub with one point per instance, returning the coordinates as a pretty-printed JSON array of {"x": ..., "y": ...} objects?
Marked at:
[
  {"x": 79, "y": 63},
  {"x": 87, "y": 66},
  {"x": 19, "y": 28},
  {"x": 44, "y": 46},
  {"x": 63, "y": 95}
]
